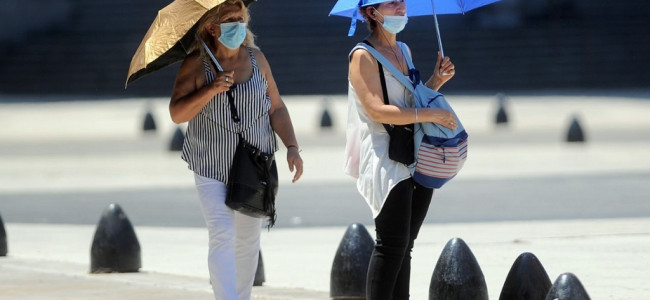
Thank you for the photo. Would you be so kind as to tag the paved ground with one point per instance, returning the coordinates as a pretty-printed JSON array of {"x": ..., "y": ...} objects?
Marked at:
[
  {"x": 609, "y": 256},
  {"x": 579, "y": 208}
]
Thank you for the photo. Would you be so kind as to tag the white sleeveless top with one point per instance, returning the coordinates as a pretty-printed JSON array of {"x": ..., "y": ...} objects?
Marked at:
[{"x": 367, "y": 147}]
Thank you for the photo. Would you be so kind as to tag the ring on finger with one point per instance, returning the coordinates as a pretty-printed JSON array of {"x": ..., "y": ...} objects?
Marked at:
[{"x": 227, "y": 78}]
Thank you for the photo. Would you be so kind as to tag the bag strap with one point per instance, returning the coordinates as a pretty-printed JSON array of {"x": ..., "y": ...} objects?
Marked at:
[
  {"x": 382, "y": 77},
  {"x": 384, "y": 90},
  {"x": 388, "y": 65},
  {"x": 407, "y": 55},
  {"x": 233, "y": 109}
]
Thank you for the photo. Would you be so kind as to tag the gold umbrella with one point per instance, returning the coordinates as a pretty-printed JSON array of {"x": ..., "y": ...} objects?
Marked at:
[{"x": 170, "y": 37}]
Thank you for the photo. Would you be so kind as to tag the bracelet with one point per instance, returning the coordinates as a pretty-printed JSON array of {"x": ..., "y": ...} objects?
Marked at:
[
  {"x": 416, "y": 115},
  {"x": 294, "y": 146}
]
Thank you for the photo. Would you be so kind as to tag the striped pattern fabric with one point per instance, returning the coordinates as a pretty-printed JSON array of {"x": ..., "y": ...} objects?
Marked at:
[
  {"x": 438, "y": 164},
  {"x": 212, "y": 136}
]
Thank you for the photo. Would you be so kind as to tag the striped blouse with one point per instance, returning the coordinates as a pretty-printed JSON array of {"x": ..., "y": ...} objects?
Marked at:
[{"x": 212, "y": 135}]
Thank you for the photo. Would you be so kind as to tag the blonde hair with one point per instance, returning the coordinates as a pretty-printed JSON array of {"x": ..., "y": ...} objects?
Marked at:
[{"x": 212, "y": 16}]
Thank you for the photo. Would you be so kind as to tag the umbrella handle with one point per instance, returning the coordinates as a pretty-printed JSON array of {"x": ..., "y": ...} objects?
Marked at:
[
  {"x": 435, "y": 17},
  {"x": 214, "y": 60},
  {"x": 438, "y": 34}
]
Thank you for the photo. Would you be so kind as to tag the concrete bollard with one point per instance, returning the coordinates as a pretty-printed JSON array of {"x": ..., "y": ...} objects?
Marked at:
[
  {"x": 115, "y": 246},
  {"x": 527, "y": 280},
  {"x": 457, "y": 274},
  {"x": 259, "y": 274},
  {"x": 177, "y": 141},
  {"x": 149, "y": 124},
  {"x": 3, "y": 239},
  {"x": 501, "y": 116},
  {"x": 567, "y": 287},
  {"x": 575, "y": 133},
  {"x": 350, "y": 266},
  {"x": 326, "y": 118}
]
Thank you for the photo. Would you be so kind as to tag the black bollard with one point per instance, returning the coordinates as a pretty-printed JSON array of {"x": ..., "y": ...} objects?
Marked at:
[
  {"x": 527, "y": 280},
  {"x": 149, "y": 124},
  {"x": 350, "y": 267},
  {"x": 501, "y": 117},
  {"x": 457, "y": 274},
  {"x": 177, "y": 140},
  {"x": 325, "y": 120},
  {"x": 259, "y": 274},
  {"x": 575, "y": 133},
  {"x": 3, "y": 239},
  {"x": 115, "y": 246},
  {"x": 567, "y": 287}
]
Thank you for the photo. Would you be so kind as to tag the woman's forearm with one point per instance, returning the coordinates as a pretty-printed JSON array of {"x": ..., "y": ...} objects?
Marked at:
[
  {"x": 186, "y": 108},
  {"x": 390, "y": 114},
  {"x": 281, "y": 124},
  {"x": 434, "y": 84}
]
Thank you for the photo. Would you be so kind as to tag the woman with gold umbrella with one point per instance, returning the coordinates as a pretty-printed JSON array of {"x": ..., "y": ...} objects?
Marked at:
[{"x": 203, "y": 96}]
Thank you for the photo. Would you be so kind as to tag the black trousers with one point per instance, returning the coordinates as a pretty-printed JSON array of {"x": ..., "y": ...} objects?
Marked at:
[{"x": 397, "y": 226}]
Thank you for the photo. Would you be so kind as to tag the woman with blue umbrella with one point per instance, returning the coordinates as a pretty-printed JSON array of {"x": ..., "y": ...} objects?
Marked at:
[{"x": 399, "y": 204}]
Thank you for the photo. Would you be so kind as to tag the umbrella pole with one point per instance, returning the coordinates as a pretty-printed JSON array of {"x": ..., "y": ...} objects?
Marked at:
[
  {"x": 435, "y": 17},
  {"x": 214, "y": 60}
]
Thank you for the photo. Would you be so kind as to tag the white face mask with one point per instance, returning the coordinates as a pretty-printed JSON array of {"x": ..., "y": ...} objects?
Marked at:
[{"x": 394, "y": 24}]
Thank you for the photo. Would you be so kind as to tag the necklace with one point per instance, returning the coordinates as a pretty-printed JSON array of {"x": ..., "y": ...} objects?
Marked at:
[{"x": 394, "y": 52}]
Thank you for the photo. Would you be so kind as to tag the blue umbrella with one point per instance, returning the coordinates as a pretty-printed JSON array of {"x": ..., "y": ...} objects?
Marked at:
[{"x": 414, "y": 8}]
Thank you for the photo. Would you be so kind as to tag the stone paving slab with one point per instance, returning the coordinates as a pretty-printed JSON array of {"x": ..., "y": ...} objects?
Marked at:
[
  {"x": 53, "y": 147},
  {"x": 609, "y": 256}
]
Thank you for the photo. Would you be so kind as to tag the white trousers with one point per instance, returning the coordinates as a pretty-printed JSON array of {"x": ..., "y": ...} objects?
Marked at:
[{"x": 234, "y": 244}]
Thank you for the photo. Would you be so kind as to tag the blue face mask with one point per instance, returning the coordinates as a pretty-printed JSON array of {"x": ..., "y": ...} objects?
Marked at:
[
  {"x": 394, "y": 24},
  {"x": 232, "y": 34}
]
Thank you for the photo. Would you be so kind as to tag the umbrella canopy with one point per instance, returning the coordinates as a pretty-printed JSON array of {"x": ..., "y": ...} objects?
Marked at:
[
  {"x": 170, "y": 36},
  {"x": 414, "y": 8}
]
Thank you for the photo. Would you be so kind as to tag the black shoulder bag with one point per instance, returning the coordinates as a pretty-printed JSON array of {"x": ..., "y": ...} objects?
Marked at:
[
  {"x": 253, "y": 178},
  {"x": 401, "y": 147}
]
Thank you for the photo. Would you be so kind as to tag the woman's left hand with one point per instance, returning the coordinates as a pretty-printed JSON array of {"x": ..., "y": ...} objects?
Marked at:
[
  {"x": 295, "y": 161},
  {"x": 443, "y": 71}
]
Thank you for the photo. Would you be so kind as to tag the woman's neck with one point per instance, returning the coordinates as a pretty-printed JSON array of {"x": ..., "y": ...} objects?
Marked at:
[
  {"x": 382, "y": 39},
  {"x": 224, "y": 53},
  {"x": 386, "y": 43}
]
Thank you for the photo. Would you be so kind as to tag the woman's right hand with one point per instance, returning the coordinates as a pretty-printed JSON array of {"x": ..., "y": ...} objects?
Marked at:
[
  {"x": 444, "y": 118},
  {"x": 223, "y": 81}
]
